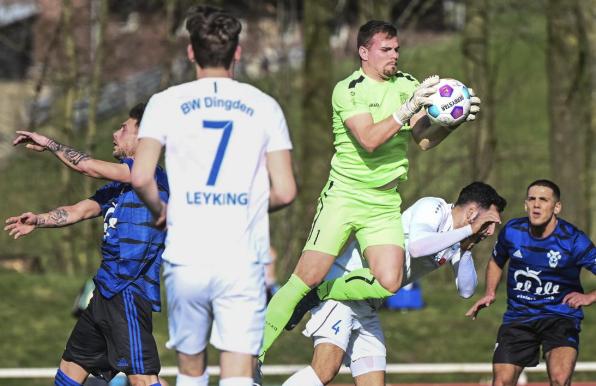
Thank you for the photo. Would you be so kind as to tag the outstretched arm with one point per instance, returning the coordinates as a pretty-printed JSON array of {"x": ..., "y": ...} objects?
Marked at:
[
  {"x": 74, "y": 159},
  {"x": 493, "y": 277},
  {"x": 56, "y": 218}
]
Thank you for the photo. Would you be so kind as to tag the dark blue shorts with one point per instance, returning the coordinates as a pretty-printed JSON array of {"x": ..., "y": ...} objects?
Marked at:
[
  {"x": 519, "y": 343},
  {"x": 114, "y": 335}
]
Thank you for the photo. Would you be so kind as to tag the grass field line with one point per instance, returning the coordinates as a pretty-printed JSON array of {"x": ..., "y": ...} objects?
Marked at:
[{"x": 410, "y": 368}]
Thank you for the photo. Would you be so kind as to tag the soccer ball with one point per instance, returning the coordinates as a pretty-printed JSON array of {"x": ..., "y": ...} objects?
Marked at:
[{"x": 450, "y": 104}]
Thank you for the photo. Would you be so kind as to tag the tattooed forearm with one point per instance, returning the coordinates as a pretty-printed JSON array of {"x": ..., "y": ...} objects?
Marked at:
[
  {"x": 74, "y": 156},
  {"x": 71, "y": 155},
  {"x": 53, "y": 218},
  {"x": 54, "y": 146}
]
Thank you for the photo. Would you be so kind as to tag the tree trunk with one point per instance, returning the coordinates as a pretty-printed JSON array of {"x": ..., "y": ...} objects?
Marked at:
[
  {"x": 569, "y": 106},
  {"x": 588, "y": 13},
  {"x": 67, "y": 243},
  {"x": 99, "y": 20},
  {"x": 170, "y": 56},
  {"x": 475, "y": 44},
  {"x": 313, "y": 140}
]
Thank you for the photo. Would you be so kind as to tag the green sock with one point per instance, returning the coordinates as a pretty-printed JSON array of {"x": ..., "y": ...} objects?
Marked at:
[
  {"x": 359, "y": 284},
  {"x": 280, "y": 309}
]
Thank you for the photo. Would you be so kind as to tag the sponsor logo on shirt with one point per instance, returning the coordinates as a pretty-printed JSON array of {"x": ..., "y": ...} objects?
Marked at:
[
  {"x": 528, "y": 281},
  {"x": 374, "y": 104}
]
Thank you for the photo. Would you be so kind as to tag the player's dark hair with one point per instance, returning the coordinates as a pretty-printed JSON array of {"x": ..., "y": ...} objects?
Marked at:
[
  {"x": 371, "y": 28},
  {"x": 548, "y": 184},
  {"x": 136, "y": 113},
  {"x": 482, "y": 194},
  {"x": 214, "y": 35}
]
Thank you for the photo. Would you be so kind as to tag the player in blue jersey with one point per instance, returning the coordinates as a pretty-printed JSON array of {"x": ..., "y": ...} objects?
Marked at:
[
  {"x": 114, "y": 333},
  {"x": 544, "y": 293}
]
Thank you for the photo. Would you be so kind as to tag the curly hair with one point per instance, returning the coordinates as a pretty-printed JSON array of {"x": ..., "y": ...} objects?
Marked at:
[{"x": 214, "y": 35}]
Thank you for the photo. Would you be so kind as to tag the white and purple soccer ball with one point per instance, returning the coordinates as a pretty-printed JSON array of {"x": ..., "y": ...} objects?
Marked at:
[{"x": 450, "y": 104}]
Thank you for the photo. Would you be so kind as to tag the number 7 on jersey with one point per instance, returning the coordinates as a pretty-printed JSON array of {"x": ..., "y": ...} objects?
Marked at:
[{"x": 226, "y": 126}]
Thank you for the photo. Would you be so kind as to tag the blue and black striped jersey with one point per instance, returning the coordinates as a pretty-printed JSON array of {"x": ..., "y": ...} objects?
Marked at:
[
  {"x": 542, "y": 271},
  {"x": 131, "y": 248}
]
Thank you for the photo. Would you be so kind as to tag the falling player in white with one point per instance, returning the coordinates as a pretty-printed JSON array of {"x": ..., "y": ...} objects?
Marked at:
[
  {"x": 228, "y": 163},
  {"x": 436, "y": 232}
]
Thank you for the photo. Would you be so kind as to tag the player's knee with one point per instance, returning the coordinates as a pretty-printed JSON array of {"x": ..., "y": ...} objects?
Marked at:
[
  {"x": 501, "y": 381},
  {"x": 326, "y": 373},
  {"x": 561, "y": 378},
  {"x": 143, "y": 380},
  {"x": 391, "y": 281}
]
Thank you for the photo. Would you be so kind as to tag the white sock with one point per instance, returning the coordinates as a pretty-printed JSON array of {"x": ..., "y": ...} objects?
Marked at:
[
  {"x": 304, "y": 377},
  {"x": 236, "y": 381},
  {"x": 187, "y": 380}
]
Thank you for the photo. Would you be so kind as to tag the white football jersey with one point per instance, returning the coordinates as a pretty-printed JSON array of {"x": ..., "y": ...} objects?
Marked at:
[
  {"x": 216, "y": 132},
  {"x": 429, "y": 214}
]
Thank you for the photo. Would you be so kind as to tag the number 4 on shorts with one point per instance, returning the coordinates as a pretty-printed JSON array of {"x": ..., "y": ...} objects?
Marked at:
[{"x": 335, "y": 327}]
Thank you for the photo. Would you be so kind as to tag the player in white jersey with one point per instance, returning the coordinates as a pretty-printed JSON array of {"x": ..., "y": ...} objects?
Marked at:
[
  {"x": 228, "y": 163},
  {"x": 436, "y": 233}
]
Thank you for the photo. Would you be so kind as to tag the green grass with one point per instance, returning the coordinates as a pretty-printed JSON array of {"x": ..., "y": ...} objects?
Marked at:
[{"x": 37, "y": 322}]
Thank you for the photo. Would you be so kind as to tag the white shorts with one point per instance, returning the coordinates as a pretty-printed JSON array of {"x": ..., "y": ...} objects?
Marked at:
[
  {"x": 353, "y": 326},
  {"x": 231, "y": 300}
]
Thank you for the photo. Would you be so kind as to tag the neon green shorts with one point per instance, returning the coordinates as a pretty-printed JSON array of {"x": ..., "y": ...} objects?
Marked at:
[{"x": 373, "y": 215}]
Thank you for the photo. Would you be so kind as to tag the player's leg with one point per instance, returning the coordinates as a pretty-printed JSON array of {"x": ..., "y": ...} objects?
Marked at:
[
  {"x": 506, "y": 374},
  {"x": 126, "y": 321},
  {"x": 191, "y": 369},
  {"x": 326, "y": 361},
  {"x": 371, "y": 376},
  {"x": 85, "y": 349},
  {"x": 386, "y": 264},
  {"x": 70, "y": 374},
  {"x": 366, "y": 354},
  {"x": 380, "y": 235},
  {"x": 236, "y": 368},
  {"x": 328, "y": 234},
  {"x": 560, "y": 363},
  {"x": 560, "y": 345},
  {"x": 330, "y": 327},
  {"x": 239, "y": 300},
  {"x": 517, "y": 346},
  {"x": 189, "y": 321}
]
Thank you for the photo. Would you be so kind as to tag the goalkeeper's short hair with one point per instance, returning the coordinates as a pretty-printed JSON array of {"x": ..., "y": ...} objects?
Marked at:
[{"x": 371, "y": 28}]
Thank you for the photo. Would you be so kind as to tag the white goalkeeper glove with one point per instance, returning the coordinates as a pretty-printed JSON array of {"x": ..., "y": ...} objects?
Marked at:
[
  {"x": 474, "y": 106},
  {"x": 474, "y": 109},
  {"x": 419, "y": 99}
]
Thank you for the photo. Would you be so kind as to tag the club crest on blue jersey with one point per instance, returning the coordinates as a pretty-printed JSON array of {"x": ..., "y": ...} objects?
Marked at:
[
  {"x": 109, "y": 221},
  {"x": 553, "y": 258}
]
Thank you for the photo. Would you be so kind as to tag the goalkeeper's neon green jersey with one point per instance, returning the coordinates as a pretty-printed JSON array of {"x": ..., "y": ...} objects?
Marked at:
[{"x": 359, "y": 94}]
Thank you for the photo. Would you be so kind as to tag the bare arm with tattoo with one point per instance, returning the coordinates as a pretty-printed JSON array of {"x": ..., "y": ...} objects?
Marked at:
[
  {"x": 56, "y": 218},
  {"x": 75, "y": 159}
]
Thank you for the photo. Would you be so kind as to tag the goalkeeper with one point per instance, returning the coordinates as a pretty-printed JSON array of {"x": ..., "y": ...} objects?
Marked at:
[{"x": 375, "y": 110}]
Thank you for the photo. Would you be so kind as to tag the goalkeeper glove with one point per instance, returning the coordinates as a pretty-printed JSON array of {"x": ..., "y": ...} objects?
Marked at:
[
  {"x": 474, "y": 106},
  {"x": 419, "y": 98}
]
